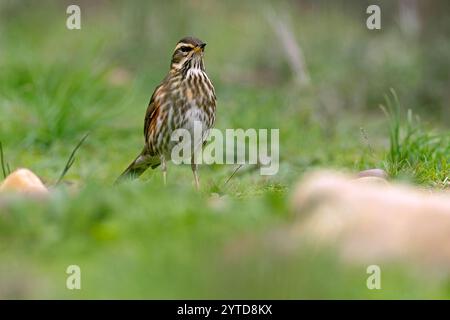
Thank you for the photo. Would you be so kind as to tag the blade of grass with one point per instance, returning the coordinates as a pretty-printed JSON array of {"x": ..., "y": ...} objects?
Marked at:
[
  {"x": 2, "y": 160},
  {"x": 71, "y": 159},
  {"x": 5, "y": 166}
]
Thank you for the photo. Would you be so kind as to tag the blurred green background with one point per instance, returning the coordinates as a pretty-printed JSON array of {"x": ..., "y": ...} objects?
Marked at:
[{"x": 310, "y": 68}]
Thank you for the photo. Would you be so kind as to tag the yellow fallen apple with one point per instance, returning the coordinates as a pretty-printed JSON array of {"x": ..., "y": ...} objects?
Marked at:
[{"x": 24, "y": 181}]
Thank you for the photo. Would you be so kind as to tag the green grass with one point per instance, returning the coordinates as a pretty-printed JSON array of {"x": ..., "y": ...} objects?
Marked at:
[
  {"x": 144, "y": 240},
  {"x": 414, "y": 151}
]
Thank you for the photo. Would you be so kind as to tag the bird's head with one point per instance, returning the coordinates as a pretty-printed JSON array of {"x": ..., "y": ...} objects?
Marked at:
[{"x": 188, "y": 54}]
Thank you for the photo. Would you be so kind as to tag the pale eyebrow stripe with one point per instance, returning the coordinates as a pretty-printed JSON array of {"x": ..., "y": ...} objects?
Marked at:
[{"x": 182, "y": 44}]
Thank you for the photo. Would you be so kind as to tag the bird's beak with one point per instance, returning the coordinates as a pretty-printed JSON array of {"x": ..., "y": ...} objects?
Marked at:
[{"x": 200, "y": 48}]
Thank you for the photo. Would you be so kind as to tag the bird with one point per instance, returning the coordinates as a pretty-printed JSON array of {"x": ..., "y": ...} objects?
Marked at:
[{"x": 186, "y": 96}]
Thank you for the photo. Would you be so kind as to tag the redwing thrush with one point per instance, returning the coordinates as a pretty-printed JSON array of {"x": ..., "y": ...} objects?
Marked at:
[{"x": 186, "y": 96}]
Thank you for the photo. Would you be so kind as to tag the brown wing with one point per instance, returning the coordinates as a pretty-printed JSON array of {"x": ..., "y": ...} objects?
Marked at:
[{"x": 152, "y": 111}]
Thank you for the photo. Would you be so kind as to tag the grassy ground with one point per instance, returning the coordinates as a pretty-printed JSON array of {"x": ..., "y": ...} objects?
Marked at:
[{"x": 143, "y": 240}]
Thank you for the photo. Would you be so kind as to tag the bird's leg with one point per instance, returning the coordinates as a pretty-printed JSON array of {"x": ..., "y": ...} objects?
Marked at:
[
  {"x": 164, "y": 169},
  {"x": 194, "y": 171}
]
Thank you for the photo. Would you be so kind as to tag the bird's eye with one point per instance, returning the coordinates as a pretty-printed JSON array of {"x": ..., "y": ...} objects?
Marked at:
[{"x": 185, "y": 49}]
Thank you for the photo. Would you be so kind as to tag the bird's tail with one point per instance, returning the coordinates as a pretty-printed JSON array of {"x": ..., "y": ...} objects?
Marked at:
[{"x": 138, "y": 166}]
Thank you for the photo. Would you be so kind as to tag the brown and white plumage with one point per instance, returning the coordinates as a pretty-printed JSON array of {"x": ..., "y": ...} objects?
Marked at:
[{"x": 185, "y": 95}]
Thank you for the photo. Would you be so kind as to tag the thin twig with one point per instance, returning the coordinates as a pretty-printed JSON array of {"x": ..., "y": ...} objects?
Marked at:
[
  {"x": 232, "y": 175},
  {"x": 292, "y": 49},
  {"x": 71, "y": 159}
]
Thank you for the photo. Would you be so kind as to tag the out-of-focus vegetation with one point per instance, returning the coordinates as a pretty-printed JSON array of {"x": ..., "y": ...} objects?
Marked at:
[{"x": 135, "y": 241}]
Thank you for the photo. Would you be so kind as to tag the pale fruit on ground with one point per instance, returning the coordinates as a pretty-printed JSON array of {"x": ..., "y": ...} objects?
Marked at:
[
  {"x": 23, "y": 181},
  {"x": 368, "y": 219}
]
